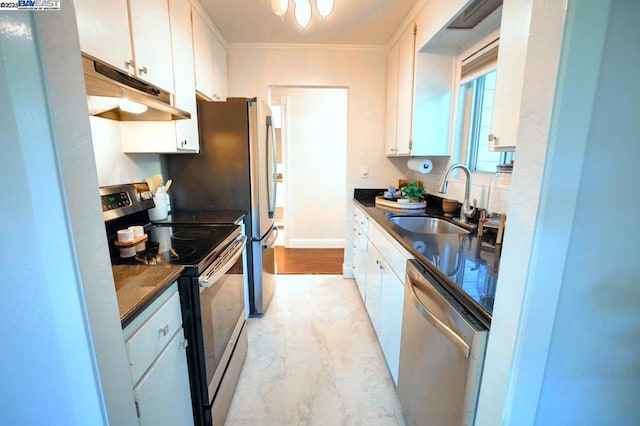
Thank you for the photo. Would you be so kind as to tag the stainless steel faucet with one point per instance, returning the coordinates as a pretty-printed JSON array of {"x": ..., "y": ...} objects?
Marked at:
[{"x": 467, "y": 211}]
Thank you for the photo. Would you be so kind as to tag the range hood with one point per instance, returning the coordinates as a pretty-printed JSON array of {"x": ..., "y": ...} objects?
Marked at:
[
  {"x": 474, "y": 13},
  {"x": 110, "y": 90}
]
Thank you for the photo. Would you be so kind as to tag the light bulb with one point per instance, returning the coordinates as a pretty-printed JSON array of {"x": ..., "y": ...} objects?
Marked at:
[
  {"x": 325, "y": 7},
  {"x": 280, "y": 7},
  {"x": 132, "y": 107},
  {"x": 303, "y": 13}
]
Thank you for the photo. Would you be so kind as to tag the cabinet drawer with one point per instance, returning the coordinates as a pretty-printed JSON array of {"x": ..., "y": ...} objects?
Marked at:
[
  {"x": 146, "y": 343},
  {"x": 360, "y": 219},
  {"x": 395, "y": 256}
]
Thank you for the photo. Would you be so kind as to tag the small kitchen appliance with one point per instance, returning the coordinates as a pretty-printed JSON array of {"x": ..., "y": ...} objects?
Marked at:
[{"x": 211, "y": 290}]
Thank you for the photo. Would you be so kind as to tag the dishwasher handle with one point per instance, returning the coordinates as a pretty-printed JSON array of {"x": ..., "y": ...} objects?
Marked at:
[{"x": 445, "y": 330}]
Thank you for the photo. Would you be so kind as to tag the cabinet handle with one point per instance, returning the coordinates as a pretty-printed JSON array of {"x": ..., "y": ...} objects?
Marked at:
[
  {"x": 184, "y": 344},
  {"x": 164, "y": 330},
  {"x": 377, "y": 262},
  {"x": 142, "y": 70},
  {"x": 492, "y": 138},
  {"x": 130, "y": 64}
]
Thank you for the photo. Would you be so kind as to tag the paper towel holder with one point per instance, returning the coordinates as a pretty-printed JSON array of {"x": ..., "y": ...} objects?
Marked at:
[{"x": 420, "y": 165}]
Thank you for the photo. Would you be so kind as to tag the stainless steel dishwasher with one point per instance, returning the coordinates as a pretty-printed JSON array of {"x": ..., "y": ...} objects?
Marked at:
[{"x": 441, "y": 354}]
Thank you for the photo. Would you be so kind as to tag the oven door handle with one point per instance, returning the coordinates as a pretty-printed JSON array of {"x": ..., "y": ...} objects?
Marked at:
[{"x": 214, "y": 272}]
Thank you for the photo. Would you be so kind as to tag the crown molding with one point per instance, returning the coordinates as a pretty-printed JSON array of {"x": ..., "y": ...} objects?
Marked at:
[{"x": 299, "y": 46}]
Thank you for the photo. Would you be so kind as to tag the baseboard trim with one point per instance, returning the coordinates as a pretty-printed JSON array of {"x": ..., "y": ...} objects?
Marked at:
[{"x": 316, "y": 243}]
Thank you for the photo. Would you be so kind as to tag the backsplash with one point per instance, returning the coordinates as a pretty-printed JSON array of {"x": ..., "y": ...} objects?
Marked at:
[
  {"x": 113, "y": 166},
  {"x": 431, "y": 181}
]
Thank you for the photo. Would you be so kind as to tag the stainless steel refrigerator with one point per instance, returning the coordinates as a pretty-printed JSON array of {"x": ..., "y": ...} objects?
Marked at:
[{"x": 235, "y": 170}]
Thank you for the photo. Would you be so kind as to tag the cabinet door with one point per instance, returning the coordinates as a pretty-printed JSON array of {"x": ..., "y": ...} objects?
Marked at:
[
  {"x": 406, "y": 56},
  {"x": 391, "y": 305},
  {"x": 183, "y": 68},
  {"x": 103, "y": 28},
  {"x": 392, "y": 99},
  {"x": 151, "y": 38},
  {"x": 202, "y": 55},
  {"x": 372, "y": 287},
  {"x": 162, "y": 395},
  {"x": 359, "y": 261},
  {"x": 219, "y": 69},
  {"x": 434, "y": 71},
  {"x": 514, "y": 36}
]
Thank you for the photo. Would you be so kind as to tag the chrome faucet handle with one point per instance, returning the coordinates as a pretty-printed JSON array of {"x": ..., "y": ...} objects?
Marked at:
[{"x": 471, "y": 210}]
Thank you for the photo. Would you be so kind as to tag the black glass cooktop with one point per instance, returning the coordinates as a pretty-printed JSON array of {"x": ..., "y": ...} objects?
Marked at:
[{"x": 188, "y": 245}]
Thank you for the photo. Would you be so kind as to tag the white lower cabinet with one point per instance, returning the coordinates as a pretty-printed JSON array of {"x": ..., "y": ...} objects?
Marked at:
[
  {"x": 156, "y": 397},
  {"x": 391, "y": 305},
  {"x": 156, "y": 348},
  {"x": 359, "y": 260},
  {"x": 379, "y": 268},
  {"x": 373, "y": 285}
]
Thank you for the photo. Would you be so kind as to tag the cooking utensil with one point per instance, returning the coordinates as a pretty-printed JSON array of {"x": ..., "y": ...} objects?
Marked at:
[
  {"x": 150, "y": 183},
  {"x": 167, "y": 185},
  {"x": 157, "y": 181}
]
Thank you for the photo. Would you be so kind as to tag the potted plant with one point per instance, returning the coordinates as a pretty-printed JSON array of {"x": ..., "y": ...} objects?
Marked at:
[{"x": 414, "y": 192}]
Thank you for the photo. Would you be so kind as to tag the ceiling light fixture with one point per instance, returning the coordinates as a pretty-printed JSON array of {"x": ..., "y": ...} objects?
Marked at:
[{"x": 302, "y": 10}]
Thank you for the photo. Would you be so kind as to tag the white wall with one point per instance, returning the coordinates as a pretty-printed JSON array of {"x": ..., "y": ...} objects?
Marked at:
[
  {"x": 63, "y": 357},
  {"x": 315, "y": 167},
  {"x": 587, "y": 371},
  {"x": 114, "y": 167},
  {"x": 253, "y": 69},
  {"x": 541, "y": 70}
]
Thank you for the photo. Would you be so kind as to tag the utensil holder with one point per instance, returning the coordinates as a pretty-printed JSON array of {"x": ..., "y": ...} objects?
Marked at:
[{"x": 160, "y": 211}]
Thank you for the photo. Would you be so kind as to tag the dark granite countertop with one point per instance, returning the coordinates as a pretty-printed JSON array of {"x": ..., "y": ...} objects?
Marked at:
[
  {"x": 463, "y": 265},
  {"x": 206, "y": 217},
  {"x": 138, "y": 285}
]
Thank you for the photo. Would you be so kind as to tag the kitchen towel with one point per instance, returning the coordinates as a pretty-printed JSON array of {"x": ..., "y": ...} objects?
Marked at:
[{"x": 420, "y": 165}]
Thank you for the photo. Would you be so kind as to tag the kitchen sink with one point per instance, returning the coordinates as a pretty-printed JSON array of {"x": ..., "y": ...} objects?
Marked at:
[{"x": 427, "y": 225}]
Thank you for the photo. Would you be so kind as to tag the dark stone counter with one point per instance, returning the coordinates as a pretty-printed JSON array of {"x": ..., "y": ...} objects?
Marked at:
[
  {"x": 465, "y": 266},
  {"x": 139, "y": 285}
]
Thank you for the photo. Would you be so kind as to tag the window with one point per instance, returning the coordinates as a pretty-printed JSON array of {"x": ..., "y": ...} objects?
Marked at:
[{"x": 475, "y": 111}]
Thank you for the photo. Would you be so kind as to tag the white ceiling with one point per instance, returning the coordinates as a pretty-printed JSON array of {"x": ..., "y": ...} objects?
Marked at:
[{"x": 353, "y": 22}]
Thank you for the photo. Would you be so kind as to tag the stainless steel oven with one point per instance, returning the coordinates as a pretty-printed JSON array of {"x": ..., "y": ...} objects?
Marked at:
[
  {"x": 215, "y": 299},
  {"x": 211, "y": 291}
]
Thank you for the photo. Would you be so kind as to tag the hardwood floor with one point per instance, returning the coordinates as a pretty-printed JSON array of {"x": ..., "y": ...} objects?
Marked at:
[{"x": 309, "y": 261}]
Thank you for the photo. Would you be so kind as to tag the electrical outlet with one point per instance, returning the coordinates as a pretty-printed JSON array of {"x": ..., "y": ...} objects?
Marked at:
[{"x": 364, "y": 172}]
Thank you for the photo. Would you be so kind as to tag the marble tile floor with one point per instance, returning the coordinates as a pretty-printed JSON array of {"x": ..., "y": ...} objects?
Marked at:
[{"x": 314, "y": 359}]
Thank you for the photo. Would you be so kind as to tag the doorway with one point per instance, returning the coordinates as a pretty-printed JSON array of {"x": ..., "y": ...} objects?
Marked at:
[{"x": 311, "y": 133}]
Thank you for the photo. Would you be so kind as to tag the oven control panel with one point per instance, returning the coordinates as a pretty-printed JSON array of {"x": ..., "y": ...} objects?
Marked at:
[
  {"x": 115, "y": 201},
  {"x": 122, "y": 200}
]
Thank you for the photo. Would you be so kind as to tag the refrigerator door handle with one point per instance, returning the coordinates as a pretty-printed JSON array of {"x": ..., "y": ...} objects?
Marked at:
[
  {"x": 272, "y": 189},
  {"x": 270, "y": 240}
]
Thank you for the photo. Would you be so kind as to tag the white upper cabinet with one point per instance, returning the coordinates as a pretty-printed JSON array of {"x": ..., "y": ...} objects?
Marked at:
[
  {"x": 392, "y": 99},
  {"x": 202, "y": 55},
  {"x": 210, "y": 59},
  {"x": 219, "y": 70},
  {"x": 514, "y": 37},
  {"x": 183, "y": 67},
  {"x": 406, "y": 62},
  {"x": 180, "y": 136},
  {"x": 151, "y": 37},
  {"x": 103, "y": 27},
  {"x": 140, "y": 46},
  {"x": 400, "y": 68},
  {"x": 432, "y": 102}
]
